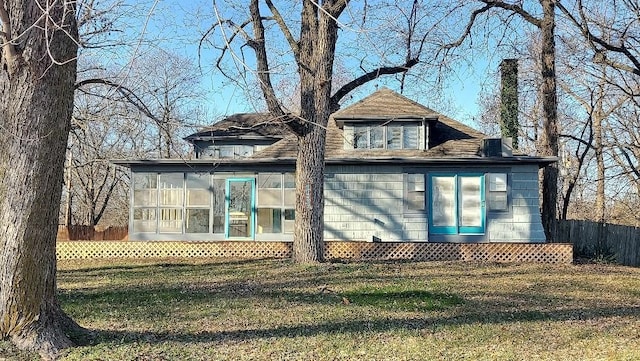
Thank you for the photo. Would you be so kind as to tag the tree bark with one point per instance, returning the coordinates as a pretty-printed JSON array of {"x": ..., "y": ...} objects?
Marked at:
[
  {"x": 549, "y": 139},
  {"x": 318, "y": 37},
  {"x": 37, "y": 101}
]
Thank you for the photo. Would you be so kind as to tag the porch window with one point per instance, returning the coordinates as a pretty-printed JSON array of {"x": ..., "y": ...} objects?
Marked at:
[
  {"x": 145, "y": 200},
  {"x": 198, "y": 203},
  {"x": 289, "y": 202},
  {"x": 218, "y": 186},
  {"x": 270, "y": 203},
  {"x": 171, "y": 202}
]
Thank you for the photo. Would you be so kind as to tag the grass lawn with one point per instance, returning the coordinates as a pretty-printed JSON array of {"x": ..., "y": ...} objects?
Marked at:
[{"x": 275, "y": 310}]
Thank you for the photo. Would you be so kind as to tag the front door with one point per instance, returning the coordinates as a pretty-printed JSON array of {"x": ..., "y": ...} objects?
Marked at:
[
  {"x": 240, "y": 208},
  {"x": 456, "y": 204}
]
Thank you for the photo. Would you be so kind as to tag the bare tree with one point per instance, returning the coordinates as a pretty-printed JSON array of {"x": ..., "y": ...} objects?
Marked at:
[
  {"x": 37, "y": 76},
  {"x": 312, "y": 53},
  {"x": 611, "y": 30},
  {"x": 548, "y": 144}
]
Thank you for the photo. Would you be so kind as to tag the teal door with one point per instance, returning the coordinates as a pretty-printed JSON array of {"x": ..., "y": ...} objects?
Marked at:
[
  {"x": 456, "y": 204},
  {"x": 240, "y": 208}
]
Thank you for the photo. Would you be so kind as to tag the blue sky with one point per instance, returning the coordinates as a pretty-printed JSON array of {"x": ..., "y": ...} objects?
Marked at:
[{"x": 180, "y": 32}]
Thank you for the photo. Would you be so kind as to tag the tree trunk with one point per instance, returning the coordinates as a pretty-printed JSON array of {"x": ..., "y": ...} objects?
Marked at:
[
  {"x": 318, "y": 37},
  {"x": 309, "y": 222},
  {"x": 37, "y": 101},
  {"x": 549, "y": 139},
  {"x": 597, "y": 130}
]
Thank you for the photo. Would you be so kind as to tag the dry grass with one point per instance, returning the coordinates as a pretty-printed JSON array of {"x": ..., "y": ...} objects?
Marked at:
[{"x": 266, "y": 310}]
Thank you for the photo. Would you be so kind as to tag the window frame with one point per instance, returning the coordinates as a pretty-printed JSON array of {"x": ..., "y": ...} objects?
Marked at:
[
  {"x": 362, "y": 133},
  {"x": 458, "y": 229}
]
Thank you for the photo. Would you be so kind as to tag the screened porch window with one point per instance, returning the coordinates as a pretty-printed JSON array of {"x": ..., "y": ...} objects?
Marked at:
[
  {"x": 198, "y": 203},
  {"x": 145, "y": 200},
  {"x": 171, "y": 199}
]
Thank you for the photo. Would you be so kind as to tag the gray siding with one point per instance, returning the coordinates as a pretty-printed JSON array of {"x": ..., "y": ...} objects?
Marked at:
[
  {"x": 523, "y": 222},
  {"x": 363, "y": 202}
]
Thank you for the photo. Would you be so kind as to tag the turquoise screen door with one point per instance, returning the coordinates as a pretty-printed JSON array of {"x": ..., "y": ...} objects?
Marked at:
[
  {"x": 456, "y": 204},
  {"x": 240, "y": 208}
]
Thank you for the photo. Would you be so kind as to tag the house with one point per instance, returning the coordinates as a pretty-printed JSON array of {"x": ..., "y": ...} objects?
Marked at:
[{"x": 396, "y": 171}]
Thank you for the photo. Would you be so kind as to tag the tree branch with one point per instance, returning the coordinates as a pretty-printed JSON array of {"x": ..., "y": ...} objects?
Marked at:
[
  {"x": 600, "y": 56},
  {"x": 293, "y": 44},
  {"x": 365, "y": 78},
  {"x": 518, "y": 9},
  {"x": 10, "y": 53},
  {"x": 262, "y": 60}
]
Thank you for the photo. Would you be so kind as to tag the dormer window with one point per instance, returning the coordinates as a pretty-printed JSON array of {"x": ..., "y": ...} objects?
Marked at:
[
  {"x": 386, "y": 136},
  {"x": 227, "y": 151}
]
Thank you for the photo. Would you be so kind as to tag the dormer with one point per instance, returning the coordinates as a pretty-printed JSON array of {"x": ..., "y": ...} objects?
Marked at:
[
  {"x": 237, "y": 136},
  {"x": 386, "y": 120}
]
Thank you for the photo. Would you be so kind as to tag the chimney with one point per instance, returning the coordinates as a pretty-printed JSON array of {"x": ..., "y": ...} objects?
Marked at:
[{"x": 509, "y": 124}]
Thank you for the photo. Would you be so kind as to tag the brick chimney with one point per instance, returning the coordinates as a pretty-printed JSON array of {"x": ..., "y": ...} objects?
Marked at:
[{"x": 509, "y": 124}]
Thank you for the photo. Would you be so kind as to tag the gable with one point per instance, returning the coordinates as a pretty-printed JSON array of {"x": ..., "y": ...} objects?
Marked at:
[{"x": 384, "y": 104}]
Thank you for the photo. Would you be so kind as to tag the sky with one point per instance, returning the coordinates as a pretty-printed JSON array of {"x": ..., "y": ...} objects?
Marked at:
[{"x": 180, "y": 31}]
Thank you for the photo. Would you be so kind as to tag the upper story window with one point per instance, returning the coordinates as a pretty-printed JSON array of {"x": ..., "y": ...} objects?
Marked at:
[
  {"x": 386, "y": 136},
  {"x": 227, "y": 151}
]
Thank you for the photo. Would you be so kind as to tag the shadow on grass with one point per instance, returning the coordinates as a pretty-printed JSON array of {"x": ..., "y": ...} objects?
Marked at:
[
  {"x": 416, "y": 324},
  {"x": 171, "y": 264}
]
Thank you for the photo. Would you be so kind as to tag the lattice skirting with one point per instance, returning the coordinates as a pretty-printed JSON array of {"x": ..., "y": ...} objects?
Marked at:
[{"x": 484, "y": 252}]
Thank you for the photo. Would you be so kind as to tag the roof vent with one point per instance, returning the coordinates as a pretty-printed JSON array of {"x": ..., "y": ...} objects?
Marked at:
[{"x": 497, "y": 147}]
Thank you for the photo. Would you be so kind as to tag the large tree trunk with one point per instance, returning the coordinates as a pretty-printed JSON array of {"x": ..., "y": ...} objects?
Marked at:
[
  {"x": 318, "y": 37},
  {"x": 37, "y": 101},
  {"x": 549, "y": 139}
]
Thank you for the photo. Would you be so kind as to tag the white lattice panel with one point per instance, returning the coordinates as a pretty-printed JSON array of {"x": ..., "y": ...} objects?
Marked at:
[{"x": 482, "y": 252}]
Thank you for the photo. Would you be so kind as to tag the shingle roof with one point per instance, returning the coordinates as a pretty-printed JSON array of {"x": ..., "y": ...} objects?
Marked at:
[
  {"x": 448, "y": 137},
  {"x": 242, "y": 125},
  {"x": 385, "y": 104}
]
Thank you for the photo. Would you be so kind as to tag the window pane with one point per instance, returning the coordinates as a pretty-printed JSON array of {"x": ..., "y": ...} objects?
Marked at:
[
  {"x": 243, "y": 151},
  {"x": 444, "y": 201},
  {"x": 289, "y": 220},
  {"x": 394, "y": 137},
  {"x": 171, "y": 189},
  {"x": 497, "y": 182},
  {"x": 414, "y": 184},
  {"x": 361, "y": 137},
  {"x": 145, "y": 197},
  {"x": 218, "y": 186},
  {"x": 497, "y": 201},
  {"x": 209, "y": 152},
  {"x": 377, "y": 137},
  {"x": 269, "y": 180},
  {"x": 144, "y": 189},
  {"x": 470, "y": 202},
  {"x": 145, "y": 181},
  {"x": 144, "y": 220},
  {"x": 226, "y": 151},
  {"x": 410, "y": 137},
  {"x": 198, "y": 193},
  {"x": 197, "y": 221},
  {"x": 269, "y": 220},
  {"x": 289, "y": 190},
  {"x": 170, "y": 220},
  {"x": 270, "y": 190},
  {"x": 240, "y": 222}
]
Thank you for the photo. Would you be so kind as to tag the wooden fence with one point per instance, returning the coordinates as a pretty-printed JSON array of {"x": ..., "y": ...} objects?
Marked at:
[
  {"x": 592, "y": 239},
  {"x": 91, "y": 233}
]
